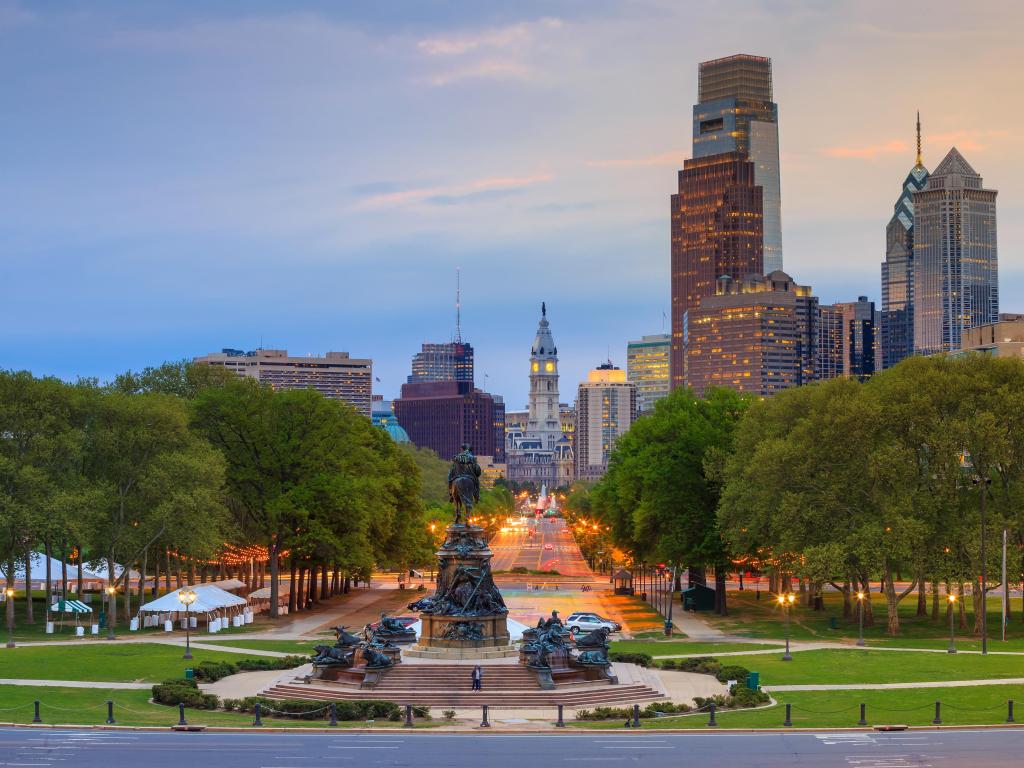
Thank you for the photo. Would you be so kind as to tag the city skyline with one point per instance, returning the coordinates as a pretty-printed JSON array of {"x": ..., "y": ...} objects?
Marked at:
[{"x": 158, "y": 158}]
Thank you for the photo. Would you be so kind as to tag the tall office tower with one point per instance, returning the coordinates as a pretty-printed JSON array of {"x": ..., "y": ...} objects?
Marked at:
[
  {"x": 605, "y": 409},
  {"x": 956, "y": 283},
  {"x": 442, "y": 362},
  {"x": 499, "y": 429},
  {"x": 442, "y": 415},
  {"x": 846, "y": 339},
  {"x": 896, "y": 337},
  {"x": 754, "y": 335},
  {"x": 736, "y": 114},
  {"x": 647, "y": 361},
  {"x": 716, "y": 230},
  {"x": 335, "y": 375}
]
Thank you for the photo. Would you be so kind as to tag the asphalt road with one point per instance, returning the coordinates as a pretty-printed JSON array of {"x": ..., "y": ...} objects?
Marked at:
[
  {"x": 109, "y": 749},
  {"x": 516, "y": 548}
]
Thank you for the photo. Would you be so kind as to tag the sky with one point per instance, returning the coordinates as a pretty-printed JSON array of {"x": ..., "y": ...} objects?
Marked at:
[{"x": 180, "y": 177}]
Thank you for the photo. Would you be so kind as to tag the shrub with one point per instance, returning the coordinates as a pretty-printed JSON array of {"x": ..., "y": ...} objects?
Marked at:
[
  {"x": 264, "y": 664},
  {"x": 449, "y": 714},
  {"x": 640, "y": 659},
  {"x": 307, "y": 710},
  {"x": 520, "y": 569},
  {"x": 667, "y": 707},
  {"x": 742, "y": 697},
  {"x": 667, "y": 664},
  {"x": 732, "y": 672},
  {"x": 719, "y": 700},
  {"x": 212, "y": 671},
  {"x": 705, "y": 665},
  {"x": 174, "y": 692}
]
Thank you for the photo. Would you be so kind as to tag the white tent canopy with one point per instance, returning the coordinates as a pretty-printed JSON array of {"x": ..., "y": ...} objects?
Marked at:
[
  {"x": 226, "y": 584},
  {"x": 208, "y": 599},
  {"x": 39, "y": 570},
  {"x": 263, "y": 593}
]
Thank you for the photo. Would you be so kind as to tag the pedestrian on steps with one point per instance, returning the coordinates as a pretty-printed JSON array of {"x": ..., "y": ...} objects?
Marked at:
[{"x": 478, "y": 678}]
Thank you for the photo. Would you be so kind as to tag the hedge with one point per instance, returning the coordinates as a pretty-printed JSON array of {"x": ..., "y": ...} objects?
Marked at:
[
  {"x": 212, "y": 671},
  {"x": 174, "y": 692}
]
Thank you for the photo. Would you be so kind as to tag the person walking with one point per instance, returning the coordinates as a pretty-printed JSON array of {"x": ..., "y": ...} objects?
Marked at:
[{"x": 478, "y": 678}]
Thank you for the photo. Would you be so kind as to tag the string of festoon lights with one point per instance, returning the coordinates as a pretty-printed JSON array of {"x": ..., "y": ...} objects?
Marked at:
[{"x": 232, "y": 555}]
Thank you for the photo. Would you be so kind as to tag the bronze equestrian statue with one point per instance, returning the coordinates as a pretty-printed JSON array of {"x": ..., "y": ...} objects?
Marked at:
[{"x": 464, "y": 483}]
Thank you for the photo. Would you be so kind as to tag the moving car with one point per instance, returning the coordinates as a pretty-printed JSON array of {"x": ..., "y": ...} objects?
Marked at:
[
  {"x": 549, "y": 546},
  {"x": 588, "y": 622}
]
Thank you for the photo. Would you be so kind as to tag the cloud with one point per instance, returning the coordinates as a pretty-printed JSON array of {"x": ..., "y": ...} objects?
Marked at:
[
  {"x": 868, "y": 152},
  {"x": 672, "y": 158},
  {"x": 450, "y": 194},
  {"x": 514, "y": 35},
  {"x": 492, "y": 70},
  {"x": 966, "y": 140}
]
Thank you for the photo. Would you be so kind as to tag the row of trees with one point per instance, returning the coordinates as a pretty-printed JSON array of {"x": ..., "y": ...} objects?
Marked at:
[
  {"x": 174, "y": 463},
  {"x": 840, "y": 482}
]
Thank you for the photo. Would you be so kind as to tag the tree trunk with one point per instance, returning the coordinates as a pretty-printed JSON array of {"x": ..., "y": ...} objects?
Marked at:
[
  {"x": 348, "y": 584},
  {"x": 324, "y": 586},
  {"x": 191, "y": 573},
  {"x": 311, "y": 589},
  {"x": 869, "y": 611},
  {"x": 49, "y": 574},
  {"x": 29, "y": 602},
  {"x": 142, "y": 576},
  {"x": 978, "y": 603},
  {"x": 9, "y": 602},
  {"x": 720, "y": 603},
  {"x": 111, "y": 599},
  {"x": 922, "y": 595},
  {"x": 847, "y": 603},
  {"x": 167, "y": 570},
  {"x": 935, "y": 599},
  {"x": 64, "y": 573},
  {"x": 128, "y": 595},
  {"x": 275, "y": 584},
  {"x": 293, "y": 589},
  {"x": 961, "y": 608}
]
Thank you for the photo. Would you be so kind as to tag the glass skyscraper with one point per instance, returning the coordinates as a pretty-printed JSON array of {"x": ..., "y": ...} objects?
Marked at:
[
  {"x": 956, "y": 283},
  {"x": 647, "y": 361},
  {"x": 736, "y": 113},
  {"x": 897, "y": 315}
]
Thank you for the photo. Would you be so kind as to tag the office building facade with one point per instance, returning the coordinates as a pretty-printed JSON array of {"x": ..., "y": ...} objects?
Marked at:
[
  {"x": 647, "y": 364},
  {"x": 335, "y": 375},
  {"x": 605, "y": 410},
  {"x": 956, "y": 284},
  {"x": 846, "y": 339},
  {"x": 442, "y": 415},
  {"x": 754, "y": 335},
  {"x": 442, "y": 362}
]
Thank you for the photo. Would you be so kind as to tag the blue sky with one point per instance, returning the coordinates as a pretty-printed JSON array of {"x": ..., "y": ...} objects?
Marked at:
[{"x": 180, "y": 177}]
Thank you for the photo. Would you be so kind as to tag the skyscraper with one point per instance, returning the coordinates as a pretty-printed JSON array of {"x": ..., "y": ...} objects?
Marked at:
[
  {"x": 754, "y": 335},
  {"x": 647, "y": 361},
  {"x": 442, "y": 362},
  {"x": 846, "y": 339},
  {"x": 736, "y": 114},
  {"x": 605, "y": 409},
  {"x": 896, "y": 335},
  {"x": 441, "y": 415},
  {"x": 726, "y": 214},
  {"x": 956, "y": 282}
]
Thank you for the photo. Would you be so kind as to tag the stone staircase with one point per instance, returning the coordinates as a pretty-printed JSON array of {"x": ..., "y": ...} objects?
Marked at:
[{"x": 449, "y": 685}]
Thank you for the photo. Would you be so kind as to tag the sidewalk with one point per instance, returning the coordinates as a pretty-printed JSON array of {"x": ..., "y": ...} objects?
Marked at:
[
  {"x": 887, "y": 686},
  {"x": 79, "y": 684}
]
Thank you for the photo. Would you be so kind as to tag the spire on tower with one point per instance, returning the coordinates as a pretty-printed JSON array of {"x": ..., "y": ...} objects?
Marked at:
[
  {"x": 458, "y": 306},
  {"x": 919, "y": 138}
]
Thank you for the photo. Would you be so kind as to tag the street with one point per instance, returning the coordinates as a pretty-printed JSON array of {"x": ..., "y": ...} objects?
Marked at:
[
  {"x": 515, "y": 548},
  {"x": 85, "y": 749}
]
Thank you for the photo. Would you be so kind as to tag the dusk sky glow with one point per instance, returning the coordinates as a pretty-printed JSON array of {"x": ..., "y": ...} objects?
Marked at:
[{"x": 182, "y": 177}]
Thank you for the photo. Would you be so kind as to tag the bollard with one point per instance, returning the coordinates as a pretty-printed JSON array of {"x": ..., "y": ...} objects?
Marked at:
[
  {"x": 181, "y": 713},
  {"x": 37, "y": 719},
  {"x": 484, "y": 723},
  {"x": 259, "y": 715},
  {"x": 110, "y": 713},
  {"x": 561, "y": 722},
  {"x": 334, "y": 714},
  {"x": 938, "y": 713},
  {"x": 636, "y": 715},
  {"x": 863, "y": 720},
  {"x": 408, "y": 716},
  {"x": 712, "y": 723},
  {"x": 789, "y": 720},
  {"x": 1009, "y": 711}
]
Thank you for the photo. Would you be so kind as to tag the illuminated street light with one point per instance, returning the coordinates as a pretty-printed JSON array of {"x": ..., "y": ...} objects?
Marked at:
[
  {"x": 860, "y": 636},
  {"x": 186, "y": 597},
  {"x": 9, "y": 592},
  {"x": 786, "y": 601},
  {"x": 111, "y": 610}
]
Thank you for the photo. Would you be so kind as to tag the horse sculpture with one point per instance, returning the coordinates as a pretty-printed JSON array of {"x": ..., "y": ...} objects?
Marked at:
[{"x": 464, "y": 484}]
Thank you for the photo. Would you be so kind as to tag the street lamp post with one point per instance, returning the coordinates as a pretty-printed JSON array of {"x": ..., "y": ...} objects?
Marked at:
[
  {"x": 860, "y": 634},
  {"x": 9, "y": 592},
  {"x": 671, "y": 599},
  {"x": 111, "y": 610},
  {"x": 186, "y": 597},
  {"x": 786, "y": 601},
  {"x": 982, "y": 484},
  {"x": 952, "y": 609}
]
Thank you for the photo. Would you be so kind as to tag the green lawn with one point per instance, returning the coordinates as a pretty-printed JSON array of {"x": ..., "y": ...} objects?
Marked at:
[
  {"x": 88, "y": 706},
  {"x": 749, "y": 617},
  {"x": 114, "y": 662},
  {"x": 674, "y": 648},
  {"x": 298, "y": 647},
  {"x": 976, "y": 705},
  {"x": 863, "y": 666}
]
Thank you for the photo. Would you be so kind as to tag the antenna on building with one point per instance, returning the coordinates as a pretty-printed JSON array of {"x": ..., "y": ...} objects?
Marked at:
[
  {"x": 919, "y": 138},
  {"x": 458, "y": 305}
]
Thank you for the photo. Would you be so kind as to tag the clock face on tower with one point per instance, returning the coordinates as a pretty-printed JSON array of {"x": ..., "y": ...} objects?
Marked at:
[
  {"x": 549, "y": 366},
  {"x": 536, "y": 367}
]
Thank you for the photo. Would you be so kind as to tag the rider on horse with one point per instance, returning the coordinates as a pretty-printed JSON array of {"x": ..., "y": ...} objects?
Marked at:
[{"x": 464, "y": 482}]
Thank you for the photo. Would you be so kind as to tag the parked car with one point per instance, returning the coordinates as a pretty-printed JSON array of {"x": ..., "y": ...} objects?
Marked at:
[{"x": 588, "y": 622}]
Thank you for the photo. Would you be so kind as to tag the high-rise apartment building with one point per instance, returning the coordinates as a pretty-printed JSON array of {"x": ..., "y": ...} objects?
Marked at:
[
  {"x": 956, "y": 283},
  {"x": 716, "y": 230},
  {"x": 647, "y": 362},
  {"x": 335, "y": 375},
  {"x": 846, "y": 339},
  {"x": 896, "y": 331},
  {"x": 442, "y": 362},
  {"x": 442, "y": 415},
  {"x": 754, "y": 335},
  {"x": 605, "y": 410},
  {"x": 736, "y": 113}
]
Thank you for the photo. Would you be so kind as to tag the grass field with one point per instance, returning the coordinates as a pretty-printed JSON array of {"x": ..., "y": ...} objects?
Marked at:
[
  {"x": 112, "y": 662},
  {"x": 88, "y": 706},
  {"x": 975, "y": 705},
  {"x": 675, "y": 647}
]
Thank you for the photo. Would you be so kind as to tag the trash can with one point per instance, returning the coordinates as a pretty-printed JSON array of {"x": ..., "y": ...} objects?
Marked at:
[
  {"x": 833, "y": 623},
  {"x": 754, "y": 681},
  {"x": 190, "y": 674}
]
